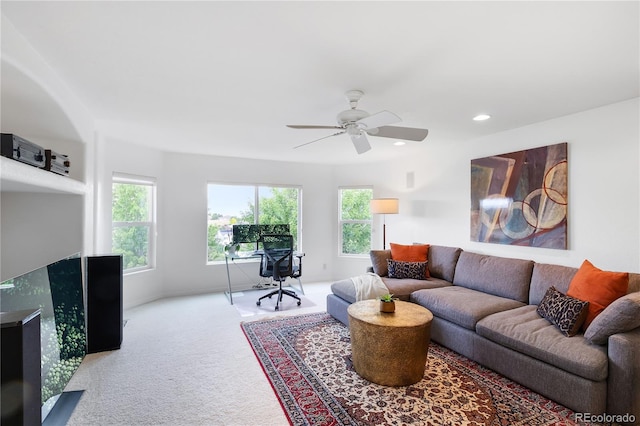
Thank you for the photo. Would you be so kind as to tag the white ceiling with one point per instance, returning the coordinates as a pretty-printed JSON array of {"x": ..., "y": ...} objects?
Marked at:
[{"x": 225, "y": 78}]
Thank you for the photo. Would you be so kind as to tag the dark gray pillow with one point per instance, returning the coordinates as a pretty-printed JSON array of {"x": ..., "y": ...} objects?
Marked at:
[
  {"x": 621, "y": 315},
  {"x": 379, "y": 261},
  {"x": 565, "y": 312},
  {"x": 413, "y": 270}
]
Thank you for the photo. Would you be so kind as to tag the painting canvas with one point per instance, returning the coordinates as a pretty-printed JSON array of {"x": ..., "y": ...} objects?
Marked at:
[{"x": 520, "y": 198}]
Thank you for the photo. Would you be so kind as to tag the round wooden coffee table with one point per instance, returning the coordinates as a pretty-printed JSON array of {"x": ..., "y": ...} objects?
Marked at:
[{"x": 389, "y": 349}]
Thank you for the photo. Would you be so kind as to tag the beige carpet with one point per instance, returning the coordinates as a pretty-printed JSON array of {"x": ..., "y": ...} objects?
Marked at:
[{"x": 183, "y": 361}]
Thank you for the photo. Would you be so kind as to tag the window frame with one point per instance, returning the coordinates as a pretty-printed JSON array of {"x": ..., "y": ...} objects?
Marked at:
[
  {"x": 256, "y": 212},
  {"x": 124, "y": 178},
  {"x": 342, "y": 222}
]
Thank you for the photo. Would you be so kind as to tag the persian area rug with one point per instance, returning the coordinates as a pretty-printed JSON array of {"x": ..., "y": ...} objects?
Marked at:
[{"x": 307, "y": 359}]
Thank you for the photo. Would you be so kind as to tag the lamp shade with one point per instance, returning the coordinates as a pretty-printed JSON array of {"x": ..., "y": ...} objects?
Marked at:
[{"x": 384, "y": 206}]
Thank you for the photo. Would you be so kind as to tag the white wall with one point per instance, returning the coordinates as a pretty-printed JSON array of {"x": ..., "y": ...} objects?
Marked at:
[
  {"x": 185, "y": 220},
  {"x": 604, "y": 189},
  {"x": 603, "y": 214},
  {"x": 115, "y": 156},
  {"x": 38, "y": 229}
]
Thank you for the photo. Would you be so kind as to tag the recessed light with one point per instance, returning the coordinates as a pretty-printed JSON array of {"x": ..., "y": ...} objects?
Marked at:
[
  {"x": 481, "y": 117},
  {"x": 399, "y": 143}
]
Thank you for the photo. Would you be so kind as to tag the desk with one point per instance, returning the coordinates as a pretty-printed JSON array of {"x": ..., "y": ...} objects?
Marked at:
[{"x": 253, "y": 255}]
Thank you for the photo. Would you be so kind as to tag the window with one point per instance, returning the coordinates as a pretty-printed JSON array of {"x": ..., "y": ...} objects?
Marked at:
[
  {"x": 229, "y": 205},
  {"x": 355, "y": 220},
  {"x": 133, "y": 221}
]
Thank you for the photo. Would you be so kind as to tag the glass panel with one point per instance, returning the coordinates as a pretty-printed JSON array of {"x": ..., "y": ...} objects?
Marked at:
[
  {"x": 131, "y": 202},
  {"x": 279, "y": 206},
  {"x": 356, "y": 238},
  {"x": 355, "y": 204},
  {"x": 57, "y": 290},
  {"x": 133, "y": 243},
  {"x": 227, "y": 205}
]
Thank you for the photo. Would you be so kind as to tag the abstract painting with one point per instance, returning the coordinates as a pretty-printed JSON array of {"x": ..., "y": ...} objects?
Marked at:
[{"x": 520, "y": 198}]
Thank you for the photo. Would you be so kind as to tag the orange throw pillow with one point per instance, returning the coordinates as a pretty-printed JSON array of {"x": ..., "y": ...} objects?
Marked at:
[
  {"x": 599, "y": 288},
  {"x": 410, "y": 253}
]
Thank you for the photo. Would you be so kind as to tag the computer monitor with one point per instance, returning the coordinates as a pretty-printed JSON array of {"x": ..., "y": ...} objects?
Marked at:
[{"x": 252, "y": 233}]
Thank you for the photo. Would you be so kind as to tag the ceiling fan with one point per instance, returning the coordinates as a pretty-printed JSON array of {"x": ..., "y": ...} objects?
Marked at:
[{"x": 358, "y": 124}]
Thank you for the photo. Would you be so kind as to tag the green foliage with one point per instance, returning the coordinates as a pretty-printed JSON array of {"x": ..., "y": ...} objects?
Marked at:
[
  {"x": 281, "y": 207},
  {"x": 59, "y": 376},
  {"x": 132, "y": 204},
  {"x": 356, "y": 238},
  {"x": 216, "y": 247},
  {"x": 355, "y": 204},
  {"x": 387, "y": 297},
  {"x": 132, "y": 242},
  {"x": 356, "y": 216}
]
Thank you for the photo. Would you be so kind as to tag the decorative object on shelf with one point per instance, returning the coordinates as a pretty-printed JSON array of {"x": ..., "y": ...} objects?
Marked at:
[
  {"x": 56, "y": 163},
  {"x": 520, "y": 198},
  {"x": 387, "y": 304},
  {"x": 17, "y": 148},
  {"x": 384, "y": 206}
]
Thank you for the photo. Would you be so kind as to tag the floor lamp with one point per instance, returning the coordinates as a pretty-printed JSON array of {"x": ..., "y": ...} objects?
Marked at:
[{"x": 384, "y": 206}]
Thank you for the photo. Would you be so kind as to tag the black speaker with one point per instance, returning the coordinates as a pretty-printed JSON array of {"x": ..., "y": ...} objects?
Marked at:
[
  {"x": 20, "y": 343},
  {"x": 104, "y": 303}
]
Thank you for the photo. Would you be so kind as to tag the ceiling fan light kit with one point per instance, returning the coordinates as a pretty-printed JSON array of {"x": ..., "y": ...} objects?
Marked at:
[{"x": 358, "y": 123}]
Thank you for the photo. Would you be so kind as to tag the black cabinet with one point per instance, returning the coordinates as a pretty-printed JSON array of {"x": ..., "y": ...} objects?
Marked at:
[
  {"x": 20, "y": 346},
  {"x": 104, "y": 303}
]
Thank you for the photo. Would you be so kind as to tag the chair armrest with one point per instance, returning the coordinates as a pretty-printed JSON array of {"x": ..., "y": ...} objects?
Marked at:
[{"x": 623, "y": 384}]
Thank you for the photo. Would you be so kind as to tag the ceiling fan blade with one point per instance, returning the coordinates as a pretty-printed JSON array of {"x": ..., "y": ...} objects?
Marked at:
[
  {"x": 378, "y": 119},
  {"x": 360, "y": 142},
  {"x": 407, "y": 133},
  {"x": 304, "y": 126},
  {"x": 325, "y": 137}
]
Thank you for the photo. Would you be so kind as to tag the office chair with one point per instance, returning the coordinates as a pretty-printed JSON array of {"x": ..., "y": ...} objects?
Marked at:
[{"x": 277, "y": 262}]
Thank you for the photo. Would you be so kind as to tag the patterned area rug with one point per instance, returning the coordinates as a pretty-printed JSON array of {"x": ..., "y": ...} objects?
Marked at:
[{"x": 307, "y": 359}]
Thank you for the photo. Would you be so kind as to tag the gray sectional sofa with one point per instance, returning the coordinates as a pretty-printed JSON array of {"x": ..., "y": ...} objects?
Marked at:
[{"x": 484, "y": 308}]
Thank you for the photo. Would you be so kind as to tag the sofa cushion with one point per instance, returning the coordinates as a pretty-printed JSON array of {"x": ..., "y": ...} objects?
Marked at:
[
  {"x": 414, "y": 270},
  {"x": 442, "y": 261},
  {"x": 565, "y": 312},
  {"x": 599, "y": 288},
  {"x": 379, "y": 261},
  {"x": 402, "y": 288},
  {"x": 545, "y": 276},
  {"x": 620, "y": 316},
  {"x": 523, "y": 330},
  {"x": 344, "y": 289},
  {"x": 410, "y": 253},
  {"x": 460, "y": 305},
  {"x": 495, "y": 275}
]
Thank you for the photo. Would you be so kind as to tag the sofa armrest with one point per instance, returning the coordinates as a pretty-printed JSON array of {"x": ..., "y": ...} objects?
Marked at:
[{"x": 623, "y": 384}]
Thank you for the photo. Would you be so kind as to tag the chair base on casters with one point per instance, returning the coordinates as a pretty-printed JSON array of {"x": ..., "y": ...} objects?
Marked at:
[{"x": 280, "y": 292}]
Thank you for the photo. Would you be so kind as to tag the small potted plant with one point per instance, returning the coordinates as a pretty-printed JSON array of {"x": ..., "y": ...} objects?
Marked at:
[
  {"x": 387, "y": 303},
  {"x": 231, "y": 249}
]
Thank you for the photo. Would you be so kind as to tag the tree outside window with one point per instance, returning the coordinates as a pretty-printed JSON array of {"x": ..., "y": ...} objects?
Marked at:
[
  {"x": 355, "y": 221},
  {"x": 229, "y": 205},
  {"x": 133, "y": 221}
]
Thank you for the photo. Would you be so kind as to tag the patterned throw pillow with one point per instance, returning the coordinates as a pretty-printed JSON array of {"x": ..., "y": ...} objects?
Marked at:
[
  {"x": 415, "y": 270},
  {"x": 565, "y": 312}
]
